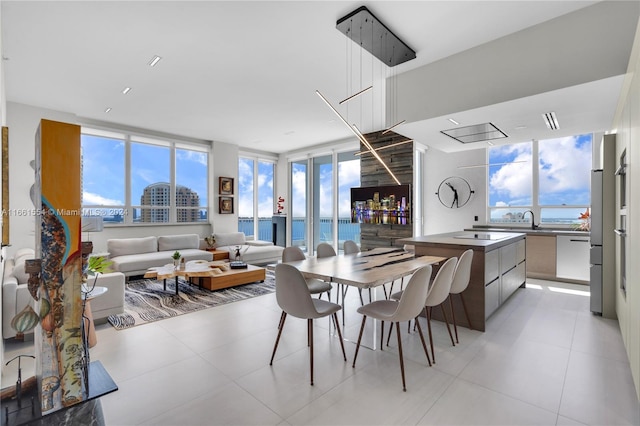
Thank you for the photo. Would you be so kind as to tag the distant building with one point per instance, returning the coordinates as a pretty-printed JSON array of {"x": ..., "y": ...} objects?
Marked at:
[{"x": 159, "y": 194}]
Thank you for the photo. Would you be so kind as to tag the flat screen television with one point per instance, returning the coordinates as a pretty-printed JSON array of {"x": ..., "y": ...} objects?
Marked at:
[{"x": 387, "y": 204}]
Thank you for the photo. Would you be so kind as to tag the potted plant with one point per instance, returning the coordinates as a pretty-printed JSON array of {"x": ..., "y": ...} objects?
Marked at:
[{"x": 176, "y": 258}]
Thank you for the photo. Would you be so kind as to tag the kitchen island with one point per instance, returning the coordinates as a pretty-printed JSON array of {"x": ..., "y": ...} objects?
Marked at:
[{"x": 497, "y": 270}]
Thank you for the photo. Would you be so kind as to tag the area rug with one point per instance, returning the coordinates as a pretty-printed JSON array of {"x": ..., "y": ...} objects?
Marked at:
[{"x": 145, "y": 300}]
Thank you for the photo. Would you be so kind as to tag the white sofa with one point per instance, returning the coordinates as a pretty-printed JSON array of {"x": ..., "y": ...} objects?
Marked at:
[
  {"x": 15, "y": 294},
  {"x": 133, "y": 256},
  {"x": 254, "y": 252}
]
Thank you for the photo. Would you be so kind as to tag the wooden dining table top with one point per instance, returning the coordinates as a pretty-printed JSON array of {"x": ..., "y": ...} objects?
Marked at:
[{"x": 366, "y": 269}]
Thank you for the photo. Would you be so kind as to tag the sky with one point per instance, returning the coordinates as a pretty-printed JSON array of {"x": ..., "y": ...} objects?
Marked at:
[
  {"x": 348, "y": 177},
  {"x": 103, "y": 161},
  {"x": 564, "y": 172}
]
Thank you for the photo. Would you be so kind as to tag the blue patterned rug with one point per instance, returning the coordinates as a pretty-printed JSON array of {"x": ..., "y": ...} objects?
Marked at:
[{"x": 146, "y": 301}]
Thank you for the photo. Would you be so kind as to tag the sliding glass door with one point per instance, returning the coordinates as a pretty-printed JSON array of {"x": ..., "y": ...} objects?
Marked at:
[
  {"x": 322, "y": 205},
  {"x": 299, "y": 221},
  {"x": 348, "y": 177},
  {"x": 321, "y": 200}
]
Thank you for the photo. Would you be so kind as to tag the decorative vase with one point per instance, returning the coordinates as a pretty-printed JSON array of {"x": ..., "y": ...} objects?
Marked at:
[{"x": 24, "y": 321}]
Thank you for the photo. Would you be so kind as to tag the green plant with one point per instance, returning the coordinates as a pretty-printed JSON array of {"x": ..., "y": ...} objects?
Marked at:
[
  {"x": 98, "y": 265},
  {"x": 176, "y": 255}
]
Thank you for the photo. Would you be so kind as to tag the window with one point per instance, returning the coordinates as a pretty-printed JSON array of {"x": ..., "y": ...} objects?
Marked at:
[
  {"x": 167, "y": 181},
  {"x": 321, "y": 200},
  {"x": 549, "y": 177},
  {"x": 255, "y": 195},
  {"x": 103, "y": 176}
]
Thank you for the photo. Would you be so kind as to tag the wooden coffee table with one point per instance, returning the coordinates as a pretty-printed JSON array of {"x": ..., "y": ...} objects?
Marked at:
[
  {"x": 211, "y": 275},
  {"x": 233, "y": 277}
]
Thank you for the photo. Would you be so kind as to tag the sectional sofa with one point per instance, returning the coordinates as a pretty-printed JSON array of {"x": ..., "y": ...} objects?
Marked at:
[
  {"x": 133, "y": 256},
  {"x": 254, "y": 252}
]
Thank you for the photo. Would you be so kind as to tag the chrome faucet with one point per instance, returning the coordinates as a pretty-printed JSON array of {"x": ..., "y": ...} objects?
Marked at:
[{"x": 533, "y": 219}]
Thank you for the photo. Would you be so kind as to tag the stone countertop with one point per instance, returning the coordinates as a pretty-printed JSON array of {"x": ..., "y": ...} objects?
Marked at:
[
  {"x": 528, "y": 230},
  {"x": 476, "y": 239}
]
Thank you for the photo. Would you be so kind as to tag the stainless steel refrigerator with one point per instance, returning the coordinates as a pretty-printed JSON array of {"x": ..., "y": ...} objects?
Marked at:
[
  {"x": 595, "y": 254},
  {"x": 603, "y": 218}
]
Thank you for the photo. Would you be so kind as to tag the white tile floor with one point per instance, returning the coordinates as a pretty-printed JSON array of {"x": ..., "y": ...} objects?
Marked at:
[{"x": 544, "y": 359}]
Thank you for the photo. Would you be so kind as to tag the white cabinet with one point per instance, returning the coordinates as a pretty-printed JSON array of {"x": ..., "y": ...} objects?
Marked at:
[{"x": 572, "y": 257}]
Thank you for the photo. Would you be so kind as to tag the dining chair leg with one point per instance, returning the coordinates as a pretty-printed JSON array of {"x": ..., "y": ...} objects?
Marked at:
[
  {"x": 385, "y": 292},
  {"x": 446, "y": 321},
  {"x": 381, "y": 333},
  {"x": 428, "y": 315},
  {"x": 283, "y": 317},
  {"x": 335, "y": 321},
  {"x": 424, "y": 345},
  {"x": 466, "y": 312},
  {"x": 361, "y": 299},
  {"x": 364, "y": 319},
  {"x": 389, "y": 335},
  {"x": 453, "y": 315},
  {"x": 404, "y": 386},
  {"x": 310, "y": 333}
]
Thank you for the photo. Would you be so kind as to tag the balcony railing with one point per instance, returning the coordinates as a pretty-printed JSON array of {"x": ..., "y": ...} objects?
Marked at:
[{"x": 346, "y": 229}]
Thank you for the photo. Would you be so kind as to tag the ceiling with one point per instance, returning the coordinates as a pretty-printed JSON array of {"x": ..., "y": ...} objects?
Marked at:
[{"x": 245, "y": 73}]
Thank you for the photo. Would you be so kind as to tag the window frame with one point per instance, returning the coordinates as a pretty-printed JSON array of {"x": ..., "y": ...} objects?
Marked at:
[
  {"x": 256, "y": 159},
  {"x": 535, "y": 206},
  {"x": 173, "y": 144}
]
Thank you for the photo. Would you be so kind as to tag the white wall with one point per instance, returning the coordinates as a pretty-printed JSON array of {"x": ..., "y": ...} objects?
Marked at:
[
  {"x": 225, "y": 163},
  {"x": 440, "y": 165},
  {"x": 23, "y": 122}
]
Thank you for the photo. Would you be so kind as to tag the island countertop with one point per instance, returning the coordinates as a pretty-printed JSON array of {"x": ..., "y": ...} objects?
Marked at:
[
  {"x": 477, "y": 240},
  {"x": 497, "y": 269}
]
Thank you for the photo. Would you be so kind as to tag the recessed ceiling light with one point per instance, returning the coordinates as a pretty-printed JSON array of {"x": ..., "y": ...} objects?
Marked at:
[
  {"x": 154, "y": 61},
  {"x": 453, "y": 121},
  {"x": 108, "y": 109},
  {"x": 126, "y": 90},
  {"x": 521, "y": 127}
]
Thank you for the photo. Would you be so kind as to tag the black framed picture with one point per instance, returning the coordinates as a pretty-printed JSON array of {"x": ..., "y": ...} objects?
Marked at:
[
  {"x": 226, "y": 185},
  {"x": 226, "y": 205}
]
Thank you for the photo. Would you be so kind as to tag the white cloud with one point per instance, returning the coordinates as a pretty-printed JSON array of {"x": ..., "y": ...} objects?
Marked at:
[
  {"x": 91, "y": 199},
  {"x": 514, "y": 180},
  {"x": 564, "y": 167},
  {"x": 195, "y": 156}
]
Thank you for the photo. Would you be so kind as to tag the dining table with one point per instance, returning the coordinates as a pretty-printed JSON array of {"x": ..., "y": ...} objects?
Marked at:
[{"x": 365, "y": 270}]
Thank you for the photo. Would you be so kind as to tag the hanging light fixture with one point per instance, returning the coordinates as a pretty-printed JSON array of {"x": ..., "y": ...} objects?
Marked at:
[{"x": 369, "y": 33}]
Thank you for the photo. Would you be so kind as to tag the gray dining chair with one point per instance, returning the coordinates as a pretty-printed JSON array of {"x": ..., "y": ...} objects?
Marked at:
[
  {"x": 294, "y": 298},
  {"x": 409, "y": 307},
  {"x": 461, "y": 278},
  {"x": 325, "y": 250},
  {"x": 350, "y": 247},
  {"x": 316, "y": 286},
  {"x": 438, "y": 293}
]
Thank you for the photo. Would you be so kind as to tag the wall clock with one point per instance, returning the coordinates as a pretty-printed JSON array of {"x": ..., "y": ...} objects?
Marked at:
[{"x": 454, "y": 192}]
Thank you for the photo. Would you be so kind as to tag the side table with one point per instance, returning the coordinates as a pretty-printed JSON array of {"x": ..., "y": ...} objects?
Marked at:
[{"x": 218, "y": 254}]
